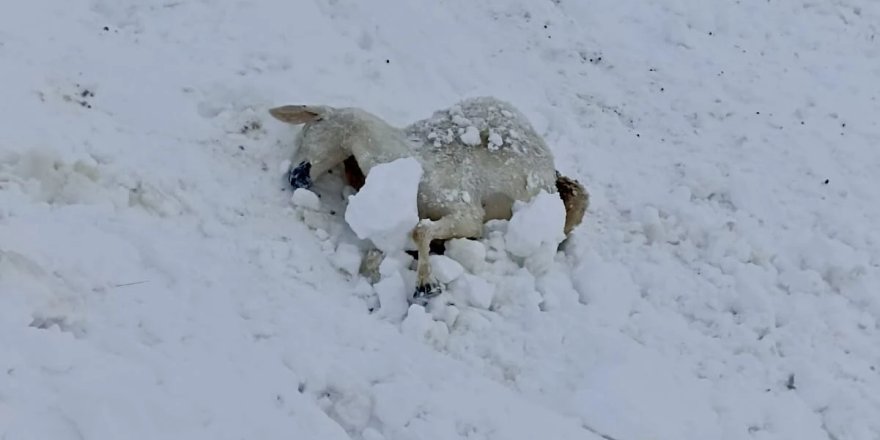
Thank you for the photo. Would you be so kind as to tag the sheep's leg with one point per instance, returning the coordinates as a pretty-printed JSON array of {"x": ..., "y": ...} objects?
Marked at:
[
  {"x": 370, "y": 265},
  {"x": 466, "y": 222}
]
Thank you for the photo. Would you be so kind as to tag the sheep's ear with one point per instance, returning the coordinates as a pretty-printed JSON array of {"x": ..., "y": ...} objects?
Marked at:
[{"x": 297, "y": 114}]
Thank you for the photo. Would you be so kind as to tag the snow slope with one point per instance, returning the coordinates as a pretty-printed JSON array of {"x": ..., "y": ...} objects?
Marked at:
[{"x": 156, "y": 282}]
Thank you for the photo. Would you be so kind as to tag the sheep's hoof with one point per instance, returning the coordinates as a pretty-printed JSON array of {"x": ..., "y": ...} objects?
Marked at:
[{"x": 425, "y": 292}]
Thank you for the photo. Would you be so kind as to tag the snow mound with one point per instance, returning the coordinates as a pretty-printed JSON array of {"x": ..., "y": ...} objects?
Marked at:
[{"x": 384, "y": 211}]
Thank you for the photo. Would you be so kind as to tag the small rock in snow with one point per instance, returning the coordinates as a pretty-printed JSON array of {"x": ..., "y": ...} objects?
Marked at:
[
  {"x": 303, "y": 198},
  {"x": 384, "y": 210},
  {"x": 471, "y": 136}
]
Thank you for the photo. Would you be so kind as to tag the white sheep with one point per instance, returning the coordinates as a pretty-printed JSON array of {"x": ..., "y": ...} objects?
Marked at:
[{"x": 479, "y": 157}]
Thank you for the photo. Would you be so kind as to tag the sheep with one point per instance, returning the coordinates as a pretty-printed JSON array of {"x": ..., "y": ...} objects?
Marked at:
[{"x": 478, "y": 157}]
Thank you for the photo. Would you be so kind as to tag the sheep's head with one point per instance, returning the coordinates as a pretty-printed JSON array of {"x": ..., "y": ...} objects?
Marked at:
[{"x": 319, "y": 144}]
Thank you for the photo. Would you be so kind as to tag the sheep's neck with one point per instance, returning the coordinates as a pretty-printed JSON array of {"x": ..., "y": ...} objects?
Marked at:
[{"x": 382, "y": 147}]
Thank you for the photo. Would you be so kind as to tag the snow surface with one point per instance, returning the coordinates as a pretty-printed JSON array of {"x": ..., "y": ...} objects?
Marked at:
[{"x": 156, "y": 281}]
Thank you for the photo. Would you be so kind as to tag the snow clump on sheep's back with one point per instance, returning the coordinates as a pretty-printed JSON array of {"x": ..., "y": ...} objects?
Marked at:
[{"x": 482, "y": 121}]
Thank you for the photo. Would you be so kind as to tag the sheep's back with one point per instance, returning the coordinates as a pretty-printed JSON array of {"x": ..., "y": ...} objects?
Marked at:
[{"x": 508, "y": 161}]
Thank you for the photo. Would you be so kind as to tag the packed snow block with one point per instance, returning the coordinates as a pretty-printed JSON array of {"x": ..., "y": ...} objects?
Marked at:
[
  {"x": 347, "y": 258},
  {"x": 470, "y": 136},
  {"x": 316, "y": 219},
  {"x": 477, "y": 291},
  {"x": 442, "y": 309},
  {"x": 305, "y": 199},
  {"x": 395, "y": 264},
  {"x": 652, "y": 225},
  {"x": 471, "y": 254},
  {"x": 392, "y": 293},
  {"x": 535, "y": 223},
  {"x": 422, "y": 326},
  {"x": 445, "y": 269},
  {"x": 542, "y": 259},
  {"x": 557, "y": 290},
  {"x": 517, "y": 297},
  {"x": 384, "y": 211}
]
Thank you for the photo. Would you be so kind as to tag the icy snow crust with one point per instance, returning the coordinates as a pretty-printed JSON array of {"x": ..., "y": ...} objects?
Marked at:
[{"x": 157, "y": 282}]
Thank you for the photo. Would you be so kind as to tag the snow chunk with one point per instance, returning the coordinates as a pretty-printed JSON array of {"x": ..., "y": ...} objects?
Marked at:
[
  {"x": 495, "y": 140},
  {"x": 442, "y": 311},
  {"x": 347, "y": 258},
  {"x": 477, "y": 291},
  {"x": 421, "y": 325},
  {"x": 384, "y": 210},
  {"x": 471, "y": 136},
  {"x": 392, "y": 295},
  {"x": 460, "y": 120},
  {"x": 536, "y": 224},
  {"x": 303, "y": 198},
  {"x": 445, "y": 269},
  {"x": 394, "y": 264},
  {"x": 315, "y": 219},
  {"x": 471, "y": 254}
]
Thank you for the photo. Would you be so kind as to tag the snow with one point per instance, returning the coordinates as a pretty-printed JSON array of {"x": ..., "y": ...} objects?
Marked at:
[
  {"x": 305, "y": 199},
  {"x": 536, "y": 224},
  {"x": 347, "y": 258},
  {"x": 471, "y": 254},
  {"x": 384, "y": 211},
  {"x": 471, "y": 136},
  {"x": 445, "y": 269},
  {"x": 157, "y": 280},
  {"x": 477, "y": 291}
]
